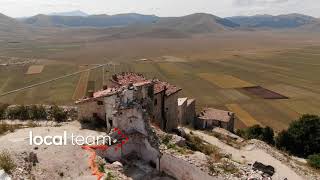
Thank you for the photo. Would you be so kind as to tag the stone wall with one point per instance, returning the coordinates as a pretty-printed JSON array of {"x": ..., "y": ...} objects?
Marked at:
[
  {"x": 86, "y": 110},
  {"x": 191, "y": 111},
  {"x": 182, "y": 116},
  {"x": 157, "y": 114},
  {"x": 182, "y": 170}
]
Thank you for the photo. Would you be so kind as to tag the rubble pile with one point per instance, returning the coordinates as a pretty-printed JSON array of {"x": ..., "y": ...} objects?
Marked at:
[{"x": 26, "y": 162}]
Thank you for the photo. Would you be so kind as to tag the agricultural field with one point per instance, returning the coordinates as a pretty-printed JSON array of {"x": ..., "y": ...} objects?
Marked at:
[
  {"x": 35, "y": 69},
  {"x": 216, "y": 82}
]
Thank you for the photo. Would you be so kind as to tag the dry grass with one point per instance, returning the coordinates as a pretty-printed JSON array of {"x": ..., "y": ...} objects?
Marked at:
[
  {"x": 225, "y": 81},
  {"x": 35, "y": 69},
  {"x": 243, "y": 115},
  {"x": 6, "y": 162}
]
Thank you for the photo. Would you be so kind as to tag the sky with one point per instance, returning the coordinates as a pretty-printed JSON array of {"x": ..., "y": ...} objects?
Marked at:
[{"x": 222, "y": 8}]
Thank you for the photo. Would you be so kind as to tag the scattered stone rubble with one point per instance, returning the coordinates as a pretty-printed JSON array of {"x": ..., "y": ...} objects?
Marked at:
[{"x": 26, "y": 162}]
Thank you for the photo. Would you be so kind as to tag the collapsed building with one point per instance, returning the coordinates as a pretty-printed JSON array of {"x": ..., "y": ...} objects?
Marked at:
[{"x": 127, "y": 108}]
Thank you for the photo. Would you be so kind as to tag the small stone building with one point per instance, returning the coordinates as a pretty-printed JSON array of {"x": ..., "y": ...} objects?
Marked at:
[
  {"x": 210, "y": 118},
  {"x": 166, "y": 105}
]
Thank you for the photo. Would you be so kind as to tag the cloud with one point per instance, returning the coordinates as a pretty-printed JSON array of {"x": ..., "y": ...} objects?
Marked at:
[{"x": 258, "y": 2}]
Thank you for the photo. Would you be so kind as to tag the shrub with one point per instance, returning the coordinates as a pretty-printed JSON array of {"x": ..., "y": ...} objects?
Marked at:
[
  {"x": 110, "y": 176},
  {"x": 302, "y": 137},
  {"x": 166, "y": 139},
  {"x": 18, "y": 112},
  {"x": 3, "y": 108},
  {"x": 6, "y": 163},
  {"x": 8, "y": 127},
  {"x": 58, "y": 114},
  {"x": 195, "y": 143},
  {"x": 257, "y": 132},
  {"x": 314, "y": 160},
  {"x": 37, "y": 112}
]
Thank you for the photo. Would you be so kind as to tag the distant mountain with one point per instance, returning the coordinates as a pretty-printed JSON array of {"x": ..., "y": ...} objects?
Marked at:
[
  {"x": 268, "y": 21},
  {"x": 70, "y": 13},
  {"x": 312, "y": 27},
  {"x": 196, "y": 23},
  {"x": 10, "y": 27},
  {"x": 90, "y": 21}
]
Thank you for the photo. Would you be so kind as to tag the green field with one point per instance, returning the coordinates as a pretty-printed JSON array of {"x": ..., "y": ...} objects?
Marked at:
[{"x": 292, "y": 73}]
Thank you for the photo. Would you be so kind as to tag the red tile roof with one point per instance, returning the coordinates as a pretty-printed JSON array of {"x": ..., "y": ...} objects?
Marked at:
[
  {"x": 215, "y": 114},
  {"x": 110, "y": 91},
  {"x": 127, "y": 78},
  {"x": 159, "y": 86}
]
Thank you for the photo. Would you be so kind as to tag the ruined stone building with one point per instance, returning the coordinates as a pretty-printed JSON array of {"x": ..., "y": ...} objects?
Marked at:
[
  {"x": 128, "y": 108},
  {"x": 210, "y": 118},
  {"x": 165, "y": 102}
]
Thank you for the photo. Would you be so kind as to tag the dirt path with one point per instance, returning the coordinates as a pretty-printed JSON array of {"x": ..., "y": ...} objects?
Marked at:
[{"x": 250, "y": 154}]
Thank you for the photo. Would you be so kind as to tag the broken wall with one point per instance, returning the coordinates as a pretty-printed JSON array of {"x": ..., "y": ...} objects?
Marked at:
[{"x": 87, "y": 109}]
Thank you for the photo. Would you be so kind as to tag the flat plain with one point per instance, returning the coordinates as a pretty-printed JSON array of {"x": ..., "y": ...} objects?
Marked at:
[{"x": 211, "y": 69}]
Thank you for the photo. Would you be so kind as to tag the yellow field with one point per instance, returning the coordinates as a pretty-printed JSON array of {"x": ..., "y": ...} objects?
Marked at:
[
  {"x": 170, "y": 69},
  {"x": 81, "y": 88},
  {"x": 234, "y": 95},
  {"x": 225, "y": 81},
  {"x": 277, "y": 104},
  {"x": 291, "y": 91},
  {"x": 243, "y": 115},
  {"x": 35, "y": 69},
  {"x": 303, "y": 106}
]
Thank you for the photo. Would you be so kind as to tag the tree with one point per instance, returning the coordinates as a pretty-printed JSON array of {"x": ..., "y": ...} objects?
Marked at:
[{"x": 302, "y": 137}]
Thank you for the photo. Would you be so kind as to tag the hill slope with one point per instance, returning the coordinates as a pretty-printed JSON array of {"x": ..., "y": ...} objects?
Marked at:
[
  {"x": 70, "y": 13},
  {"x": 268, "y": 21},
  {"x": 11, "y": 28},
  {"x": 89, "y": 21},
  {"x": 196, "y": 23}
]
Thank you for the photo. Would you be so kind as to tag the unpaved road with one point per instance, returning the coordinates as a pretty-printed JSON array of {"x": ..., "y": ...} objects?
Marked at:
[{"x": 250, "y": 155}]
